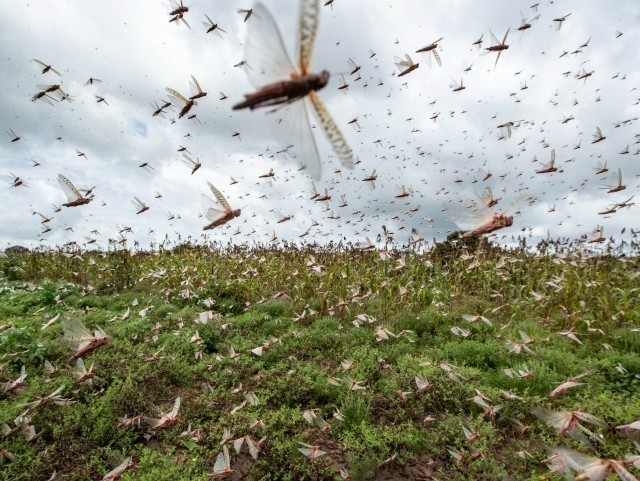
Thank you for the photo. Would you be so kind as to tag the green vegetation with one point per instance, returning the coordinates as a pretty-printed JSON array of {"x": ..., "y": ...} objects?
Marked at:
[{"x": 328, "y": 344}]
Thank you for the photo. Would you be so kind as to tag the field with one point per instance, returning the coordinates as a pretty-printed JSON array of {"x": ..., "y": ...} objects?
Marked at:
[{"x": 409, "y": 364}]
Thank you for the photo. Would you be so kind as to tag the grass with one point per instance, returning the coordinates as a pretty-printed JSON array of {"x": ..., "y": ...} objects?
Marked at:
[{"x": 310, "y": 309}]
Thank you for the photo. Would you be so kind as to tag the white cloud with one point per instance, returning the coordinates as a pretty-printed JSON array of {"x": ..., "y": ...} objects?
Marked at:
[{"x": 137, "y": 53}]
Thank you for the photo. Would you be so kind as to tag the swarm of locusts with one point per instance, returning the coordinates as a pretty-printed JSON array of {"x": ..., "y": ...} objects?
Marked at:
[
  {"x": 358, "y": 347},
  {"x": 462, "y": 342}
]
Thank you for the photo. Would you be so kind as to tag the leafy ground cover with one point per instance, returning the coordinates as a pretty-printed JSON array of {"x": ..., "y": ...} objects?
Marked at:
[{"x": 318, "y": 363}]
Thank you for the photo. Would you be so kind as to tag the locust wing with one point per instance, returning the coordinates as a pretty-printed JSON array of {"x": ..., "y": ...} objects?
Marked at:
[
  {"x": 69, "y": 189},
  {"x": 219, "y": 197},
  {"x": 291, "y": 125},
  {"x": 307, "y": 29},
  {"x": 176, "y": 407},
  {"x": 75, "y": 332},
  {"x": 211, "y": 211},
  {"x": 332, "y": 132},
  {"x": 264, "y": 50},
  {"x": 223, "y": 463}
]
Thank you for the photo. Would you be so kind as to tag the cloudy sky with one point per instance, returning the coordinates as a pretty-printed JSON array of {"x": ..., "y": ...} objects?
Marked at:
[{"x": 414, "y": 130}]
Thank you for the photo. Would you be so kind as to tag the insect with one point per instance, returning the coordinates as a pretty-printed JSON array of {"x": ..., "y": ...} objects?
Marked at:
[
  {"x": 177, "y": 8},
  {"x": 497, "y": 46},
  {"x": 495, "y": 222},
  {"x": 353, "y": 65},
  {"x": 568, "y": 384},
  {"x": 180, "y": 100},
  {"x": 55, "y": 396},
  {"x": 139, "y": 205},
  {"x": 325, "y": 197},
  {"x": 74, "y": 197},
  {"x": 416, "y": 237},
  {"x": 568, "y": 422},
  {"x": 371, "y": 178},
  {"x": 517, "y": 348},
  {"x": 431, "y": 50},
  {"x": 17, "y": 383},
  {"x": 524, "y": 25},
  {"x": 192, "y": 164},
  {"x": 549, "y": 166},
  {"x": 591, "y": 467},
  {"x": 47, "y": 68},
  {"x": 247, "y": 13},
  {"x": 403, "y": 192},
  {"x": 597, "y": 235},
  {"x": 279, "y": 83},
  {"x": 507, "y": 127},
  {"x": 557, "y": 22},
  {"x": 252, "y": 446},
  {"x": 196, "y": 90},
  {"x": 311, "y": 452},
  {"x": 17, "y": 181},
  {"x": 167, "y": 420},
  {"x": 281, "y": 217},
  {"x": 78, "y": 337},
  {"x": 12, "y": 134},
  {"x": 159, "y": 109},
  {"x": 177, "y": 11},
  {"x": 213, "y": 27},
  {"x": 343, "y": 84},
  {"x": 457, "y": 87},
  {"x": 83, "y": 375},
  {"x": 115, "y": 473},
  {"x": 222, "y": 468},
  {"x": 422, "y": 383},
  {"x": 44, "y": 96},
  {"x": 406, "y": 65},
  {"x": 216, "y": 216},
  {"x": 598, "y": 137},
  {"x": 584, "y": 75},
  {"x": 616, "y": 183}
]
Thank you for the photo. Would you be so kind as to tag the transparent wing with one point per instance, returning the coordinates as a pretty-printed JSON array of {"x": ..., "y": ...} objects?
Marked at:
[
  {"x": 290, "y": 125},
  {"x": 469, "y": 217},
  {"x": 118, "y": 470},
  {"x": 211, "y": 212},
  {"x": 254, "y": 450},
  {"x": 176, "y": 97},
  {"x": 576, "y": 460},
  {"x": 427, "y": 57},
  {"x": 504, "y": 39},
  {"x": 332, "y": 132},
  {"x": 69, "y": 190},
  {"x": 223, "y": 202},
  {"x": 437, "y": 57},
  {"x": 403, "y": 63},
  {"x": 307, "y": 28},
  {"x": 222, "y": 461},
  {"x": 557, "y": 420},
  {"x": 194, "y": 86},
  {"x": 264, "y": 50},
  {"x": 75, "y": 331},
  {"x": 188, "y": 161},
  {"x": 494, "y": 41},
  {"x": 237, "y": 444},
  {"x": 176, "y": 407}
]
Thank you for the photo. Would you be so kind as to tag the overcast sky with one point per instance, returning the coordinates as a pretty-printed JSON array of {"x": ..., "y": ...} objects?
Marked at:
[{"x": 414, "y": 130}]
